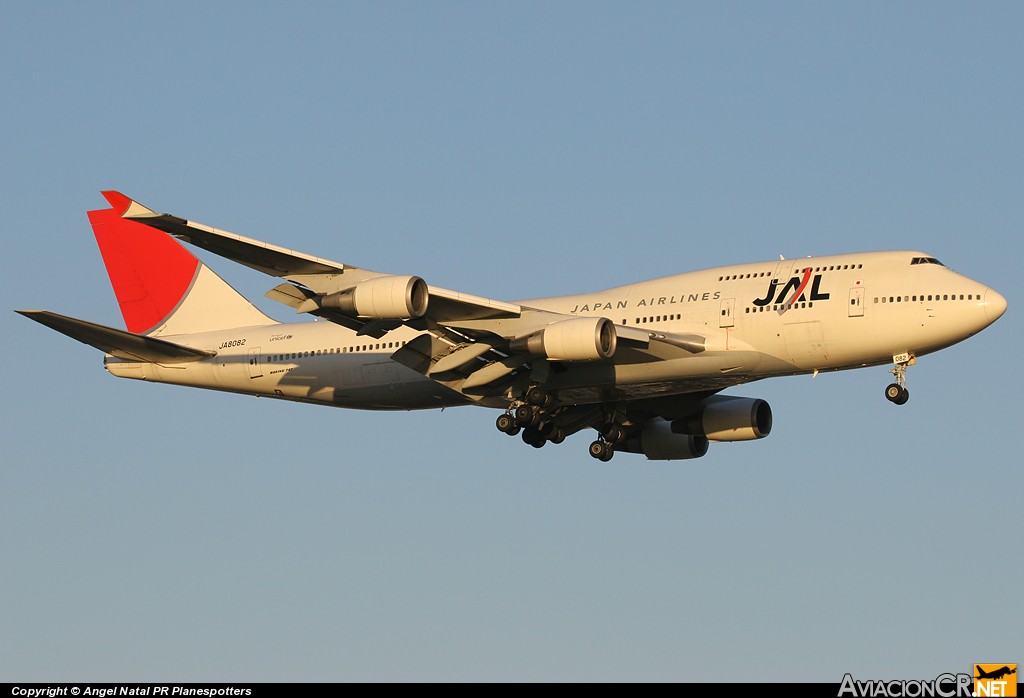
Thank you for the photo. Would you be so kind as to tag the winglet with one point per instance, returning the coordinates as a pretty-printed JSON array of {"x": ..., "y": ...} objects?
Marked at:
[{"x": 127, "y": 207}]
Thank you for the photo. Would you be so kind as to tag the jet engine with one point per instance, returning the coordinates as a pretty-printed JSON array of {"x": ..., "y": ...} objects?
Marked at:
[
  {"x": 658, "y": 441},
  {"x": 579, "y": 339},
  {"x": 724, "y": 418},
  {"x": 382, "y": 298}
]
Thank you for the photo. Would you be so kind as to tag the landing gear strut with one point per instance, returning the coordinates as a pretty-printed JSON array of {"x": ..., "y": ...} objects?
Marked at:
[{"x": 897, "y": 392}]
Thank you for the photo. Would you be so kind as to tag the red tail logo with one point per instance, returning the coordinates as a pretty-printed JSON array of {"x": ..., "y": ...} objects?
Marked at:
[{"x": 149, "y": 270}]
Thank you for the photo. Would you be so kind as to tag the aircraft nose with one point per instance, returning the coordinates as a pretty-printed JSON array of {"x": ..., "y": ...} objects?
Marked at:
[{"x": 995, "y": 304}]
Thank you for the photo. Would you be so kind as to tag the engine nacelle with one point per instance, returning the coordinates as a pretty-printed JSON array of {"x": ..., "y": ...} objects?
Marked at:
[
  {"x": 382, "y": 298},
  {"x": 657, "y": 441},
  {"x": 579, "y": 339},
  {"x": 729, "y": 419}
]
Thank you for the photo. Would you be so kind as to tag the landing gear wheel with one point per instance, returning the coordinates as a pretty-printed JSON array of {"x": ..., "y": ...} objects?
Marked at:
[
  {"x": 602, "y": 450},
  {"x": 893, "y": 391},
  {"x": 614, "y": 434},
  {"x": 524, "y": 415},
  {"x": 506, "y": 423},
  {"x": 897, "y": 394},
  {"x": 557, "y": 436},
  {"x": 537, "y": 396},
  {"x": 532, "y": 436}
]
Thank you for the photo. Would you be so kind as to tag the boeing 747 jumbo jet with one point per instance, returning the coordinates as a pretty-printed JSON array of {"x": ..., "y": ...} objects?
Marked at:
[{"x": 643, "y": 365}]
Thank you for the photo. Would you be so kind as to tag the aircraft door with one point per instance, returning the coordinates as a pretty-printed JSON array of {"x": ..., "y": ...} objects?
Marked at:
[
  {"x": 725, "y": 317},
  {"x": 783, "y": 270},
  {"x": 255, "y": 366},
  {"x": 856, "y": 302}
]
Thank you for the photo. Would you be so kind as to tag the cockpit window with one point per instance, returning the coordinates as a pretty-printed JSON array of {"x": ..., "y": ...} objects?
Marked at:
[{"x": 926, "y": 260}]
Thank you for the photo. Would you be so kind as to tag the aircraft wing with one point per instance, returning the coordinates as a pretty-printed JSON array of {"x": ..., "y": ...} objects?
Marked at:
[
  {"x": 304, "y": 271},
  {"x": 474, "y": 345},
  {"x": 264, "y": 257}
]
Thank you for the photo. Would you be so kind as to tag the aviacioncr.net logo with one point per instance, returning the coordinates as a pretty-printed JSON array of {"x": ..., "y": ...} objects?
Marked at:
[
  {"x": 995, "y": 680},
  {"x": 942, "y": 686}
]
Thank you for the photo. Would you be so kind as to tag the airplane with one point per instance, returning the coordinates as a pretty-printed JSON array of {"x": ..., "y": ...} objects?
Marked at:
[
  {"x": 644, "y": 364},
  {"x": 997, "y": 674}
]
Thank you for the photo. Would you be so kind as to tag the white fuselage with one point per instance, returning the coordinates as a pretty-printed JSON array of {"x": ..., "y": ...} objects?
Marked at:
[{"x": 757, "y": 320}]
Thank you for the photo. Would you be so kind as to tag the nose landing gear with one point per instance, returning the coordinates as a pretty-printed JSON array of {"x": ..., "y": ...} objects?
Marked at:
[{"x": 897, "y": 392}]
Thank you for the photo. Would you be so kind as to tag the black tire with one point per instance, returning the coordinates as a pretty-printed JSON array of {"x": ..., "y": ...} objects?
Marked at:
[
  {"x": 524, "y": 414},
  {"x": 597, "y": 450},
  {"x": 608, "y": 453},
  {"x": 537, "y": 396},
  {"x": 614, "y": 434},
  {"x": 557, "y": 436},
  {"x": 904, "y": 396},
  {"x": 505, "y": 423},
  {"x": 533, "y": 437},
  {"x": 893, "y": 392}
]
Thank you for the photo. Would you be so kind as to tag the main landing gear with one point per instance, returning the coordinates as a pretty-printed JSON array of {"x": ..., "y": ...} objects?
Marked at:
[
  {"x": 604, "y": 448},
  {"x": 539, "y": 418},
  {"x": 530, "y": 418},
  {"x": 897, "y": 392}
]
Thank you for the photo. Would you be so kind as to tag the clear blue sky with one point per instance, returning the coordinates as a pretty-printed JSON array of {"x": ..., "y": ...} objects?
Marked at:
[{"x": 149, "y": 532}]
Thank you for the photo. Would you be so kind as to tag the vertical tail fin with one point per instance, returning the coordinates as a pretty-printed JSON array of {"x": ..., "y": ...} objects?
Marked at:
[{"x": 161, "y": 287}]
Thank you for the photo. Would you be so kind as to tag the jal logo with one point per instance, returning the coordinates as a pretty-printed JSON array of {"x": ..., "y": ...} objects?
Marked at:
[
  {"x": 794, "y": 290},
  {"x": 995, "y": 680}
]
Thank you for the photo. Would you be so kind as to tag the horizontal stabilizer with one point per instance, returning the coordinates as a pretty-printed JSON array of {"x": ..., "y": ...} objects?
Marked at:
[{"x": 119, "y": 343}]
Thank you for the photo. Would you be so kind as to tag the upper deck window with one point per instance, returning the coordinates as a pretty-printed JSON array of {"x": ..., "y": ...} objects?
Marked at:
[{"x": 926, "y": 260}]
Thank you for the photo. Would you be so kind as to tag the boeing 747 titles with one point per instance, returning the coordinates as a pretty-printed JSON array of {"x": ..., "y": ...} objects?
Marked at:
[{"x": 644, "y": 365}]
